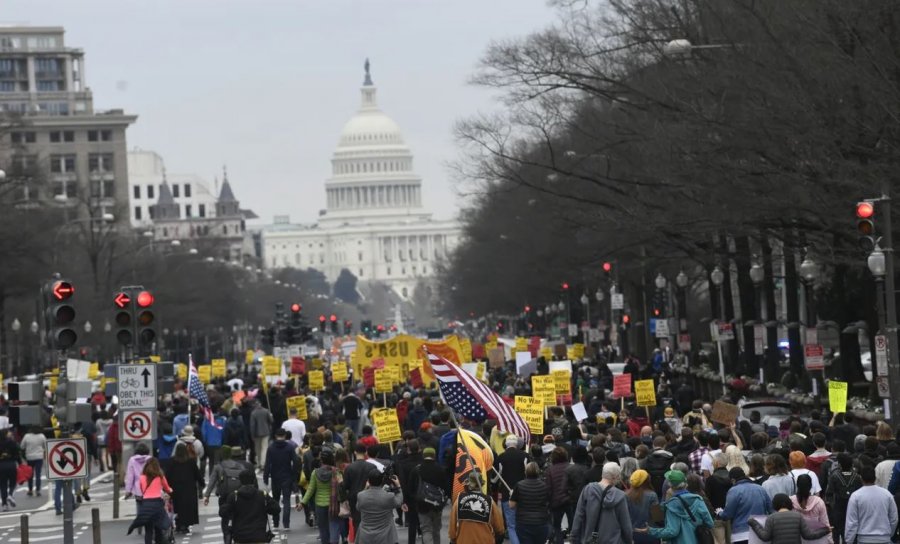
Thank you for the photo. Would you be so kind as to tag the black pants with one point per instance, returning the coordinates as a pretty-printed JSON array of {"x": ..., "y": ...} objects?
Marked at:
[
  {"x": 7, "y": 479},
  {"x": 412, "y": 520},
  {"x": 226, "y": 525}
]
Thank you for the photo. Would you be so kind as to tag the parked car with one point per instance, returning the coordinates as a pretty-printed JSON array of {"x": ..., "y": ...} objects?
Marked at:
[{"x": 772, "y": 411}]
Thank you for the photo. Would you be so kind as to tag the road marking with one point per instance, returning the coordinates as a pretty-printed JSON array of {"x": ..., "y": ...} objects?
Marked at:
[{"x": 38, "y": 539}]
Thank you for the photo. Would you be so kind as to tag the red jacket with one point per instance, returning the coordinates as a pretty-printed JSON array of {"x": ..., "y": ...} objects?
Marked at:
[
  {"x": 113, "y": 444},
  {"x": 402, "y": 411}
]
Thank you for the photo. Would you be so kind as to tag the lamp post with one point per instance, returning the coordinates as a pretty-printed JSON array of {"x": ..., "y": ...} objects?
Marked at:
[
  {"x": 757, "y": 276},
  {"x": 34, "y": 328},
  {"x": 809, "y": 274},
  {"x": 717, "y": 277},
  {"x": 586, "y": 304},
  {"x": 681, "y": 281},
  {"x": 16, "y": 326}
]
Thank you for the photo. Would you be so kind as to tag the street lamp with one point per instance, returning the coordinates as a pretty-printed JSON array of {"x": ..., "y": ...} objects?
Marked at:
[
  {"x": 757, "y": 274},
  {"x": 107, "y": 327},
  {"x": 16, "y": 326},
  {"x": 660, "y": 281},
  {"x": 681, "y": 280},
  {"x": 717, "y": 276},
  {"x": 34, "y": 327},
  {"x": 599, "y": 296},
  {"x": 88, "y": 327},
  {"x": 809, "y": 270},
  {"x": 876, "y": 262}
]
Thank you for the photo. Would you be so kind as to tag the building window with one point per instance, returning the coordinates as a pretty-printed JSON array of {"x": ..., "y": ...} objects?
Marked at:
[
  {"x": 150, "y": 189},
  {"x": 165, "y": 232},
  {"x": 69, "y": 188},
  {"x": 201, "y": 210},
  {"x": 296, "y": 258},
  {"x": 175, "y": 190},
  {"x": 360, "y": 256},
  {"x": 360, "y": 272},
  {"x": 137, "y": 213},
  {"x": 389, "y": 271},
  {"x": 321, "y": 258},
  {"x": 187, "y": 190},
  {"x": 414, "y": 270},
  {"x": 225, "y": 231},
  {"x": 23, "y": 137},
  {"x": 99, "y": 135},
  {"x": 100, "y": 162},
  {"x": 424, "y": 270},
  {"x": 60, "y": 164},
  {"x": 405, "y": 292},
  {"x": 187, "y": 210},
  {"x": 137, "y": 191},
  {"x": 403, "y": 271}
]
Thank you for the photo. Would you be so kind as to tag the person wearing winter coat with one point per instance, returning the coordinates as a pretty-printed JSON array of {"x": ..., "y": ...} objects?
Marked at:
[
  {"x": 555, "y": 478},
  {"x": 283, "y": 468},
  {"x": 602, "y": 509},
  {"x": 324, "y": 485},
  {"x": 376, "y": 506},
  {"x": 186, "y": 481},
  {"x": 810, "y": 506},
  {"x": 260, "y": 429},
  {"x": 474, "y": 517},
  {"x": 658, "y": 463},
  {"x": 641, "y": 499},
  {"x": 196, "y": 447},
  {"x": 134, "y": 470},
  {"x": 744, "y": 499},
  {"x": 786, "y": 526},
  {"x": 34, "y": 444},
  {"x": 247, "y": 511},
  {"x": 685, "y": 512}
]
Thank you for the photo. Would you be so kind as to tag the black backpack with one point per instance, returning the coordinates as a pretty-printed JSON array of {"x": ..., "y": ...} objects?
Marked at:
[
  {"x": 430, "y": 494},
  {"x": 234, "y": 432},
  {"x": 231, "y": 477}
]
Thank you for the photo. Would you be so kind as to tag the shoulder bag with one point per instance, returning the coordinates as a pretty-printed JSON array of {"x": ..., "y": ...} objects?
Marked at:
[
  {"x": 595, "y": 536},
  {"x": 704, "y": 534}
]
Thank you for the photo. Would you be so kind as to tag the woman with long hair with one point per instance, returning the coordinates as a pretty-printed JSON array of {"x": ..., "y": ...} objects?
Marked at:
[
  {"x": 151, "y": 512},
  {"x": 641, "y": 498},
  {"x": 34, "y": 444},
  {"x": 780, "y": 479},
  {"x": 182, "y": 469},
  {"x": 757, "y": 472},
  {"x": 810, "y": 506},
  {"x": 322, "y": 494},
  {"x": 9, "y": 463},
  {"x": 734, "y": 457}
]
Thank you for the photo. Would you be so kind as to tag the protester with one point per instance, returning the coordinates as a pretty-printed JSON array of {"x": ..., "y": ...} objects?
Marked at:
[
  {"x": 842, "y": 483},
  {"x": 283, "y": 468},
  {"x": 871, "y": 512},
  {"x": 186, "y": 480},
  {"x": 785, "y": 526},
  {"x": 376, "y": 506},
  {"x": 34, "y": 446},
  {"x": 810, "y": 506},
  {"x": 780, "y": 479},
  {"x": 555, "y": 478},
  {"x": 744, "y": 499},
  {"x": 226, "y": 480},
  {"x": 356, "y": 478},
  {"x": 295, "y": 426},
  {"x": 529, "y": 501},
  {"x": 641, "y": 499},
  {"x": 260, "y": 430},
  {"x": 602, "y": 509},
  {"x": 9, "y": 462},
  {"x": 324, "y": 484},
  {"x": 510, "y": 467},
  {"x": 246, "y": 512},
  {"x": 423, "y": 499},
  {"x": 151, "y": 511},
  {"x": 474, "y": 516},
  {"x": 684, "y": 513},
  {"x": 134, "y": 470},
  {"x": 798, "y": 468}
]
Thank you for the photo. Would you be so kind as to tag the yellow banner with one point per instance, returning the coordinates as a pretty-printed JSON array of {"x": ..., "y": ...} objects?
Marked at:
[
  {"x": 182, "y": 370},
  {"x": 479, "y": 372},
  {"x": 562, "y": 381},
  {"x": 54, "y": 381},
  {"x": 271, "y": 366},
  {"x": 465, "y": 346},
  {"x": 577, "y": 351},
  {"x": 547, "y": 353},
  {"x": 387, "y": 427},
  {"x": 298, "y": 403},
  {"x": 521, "y": 343},
  {"x": 155, "y": 359},
  {"x": 544, "y": 388},
  {"x": 532, "y": 411},
  {"x": 218, "y": 368},
  {"x": 837, "y": 396},
  {"x": 405, "y": 348},
  {"x": 317, "y": 363},
  {"x": 250, "y": 356},
  {"x": 316, "y": 380},
  {"x": 204, "y": 372},
  {"x": 645, "y": 393},
  {"x": 339, "y": 371}
]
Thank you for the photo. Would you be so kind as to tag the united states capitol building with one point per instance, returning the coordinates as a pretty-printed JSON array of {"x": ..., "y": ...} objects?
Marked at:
[{"x": 373, "y": 224}]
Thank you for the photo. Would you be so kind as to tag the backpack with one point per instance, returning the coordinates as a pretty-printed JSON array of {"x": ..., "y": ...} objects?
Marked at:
[
  {"x": 430, "y": 494},
  {"x": 843, "y": 495},
  {"x": 231, "y": 477},
  {"x": 234, "y": 432}
]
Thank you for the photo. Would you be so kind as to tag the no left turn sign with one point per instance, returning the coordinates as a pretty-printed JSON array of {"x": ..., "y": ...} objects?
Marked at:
[
  {"x": 66, "y": 458},
  {"x": 137, "y": 425}
]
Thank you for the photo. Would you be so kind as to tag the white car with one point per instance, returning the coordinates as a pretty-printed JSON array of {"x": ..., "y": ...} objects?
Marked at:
[{"x": 772, "y": 411}]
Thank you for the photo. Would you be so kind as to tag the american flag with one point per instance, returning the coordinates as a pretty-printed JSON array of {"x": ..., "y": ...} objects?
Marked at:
[
  {"x": 475, "y": 400},
  {"x": 196, "y": 391}
]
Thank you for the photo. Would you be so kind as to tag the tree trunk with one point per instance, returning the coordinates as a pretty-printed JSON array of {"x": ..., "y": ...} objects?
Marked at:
[
  {"x": 747, "y": 297},
  {"x": 792, "y": 286},
  {"x": 772, "y": 352}
]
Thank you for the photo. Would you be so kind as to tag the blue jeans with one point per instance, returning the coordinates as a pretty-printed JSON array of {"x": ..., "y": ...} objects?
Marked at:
[
  {"x": 282, "y": 490},
  {"x": 57, "y": 495},
  {"x": 354, "y": 426},
  {"x": 509, "y": 515},
  {"x": 329, "y": 529},
  {"x": 37, "y": 465},
  {"x": 532, "y": 534}
]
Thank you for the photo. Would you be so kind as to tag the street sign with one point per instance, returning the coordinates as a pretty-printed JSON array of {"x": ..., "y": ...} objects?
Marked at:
[
  {"x": 137, "y": 425},
  {"x": 815, "y": 357},
  {"x": 66, "y": 458},
  {"x": 618, "y": 301},
  {"x": 881, "y": 358},
  {"x": 812, "y": 335},
  {"x": 884, "y": 390},
  {"x": 662, "y": 328},
  {"x": 595, "y": 335},
  {"x": 726, "y": 331},
  {"x": 684, "y": 342},
  {"x": 573, "y": 329},
  {"x": 759, "y": 339},
  {"x": 137, "y": 387}
]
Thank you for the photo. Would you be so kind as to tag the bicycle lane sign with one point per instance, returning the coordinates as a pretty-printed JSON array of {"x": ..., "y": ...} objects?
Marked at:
[
  {"x": 66, "y": 458},
  {"x": 136, "y": 387}
]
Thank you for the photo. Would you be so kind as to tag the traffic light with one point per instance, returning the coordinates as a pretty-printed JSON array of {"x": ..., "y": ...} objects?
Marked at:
[
  {"x": 379, "y": 330},
  {"x": 124, "y": 318},
  {"x": 59, "y": 314},
  {"x": 267, "y": 338},
  {"x": 322, "y": 320},
  {"x": 565, "y": 286},
  {"x": 865, "y": 225},
  {"x": 626, "y": 321},
  {"x": 334, "y": 324},
  {"x": 146, "y": 321},
  {"x": 365, "y": 326},
  {"x": 295, "y": 332},
  {"x": 607, "y": 267},
  {"x": 348, "y": 327}
]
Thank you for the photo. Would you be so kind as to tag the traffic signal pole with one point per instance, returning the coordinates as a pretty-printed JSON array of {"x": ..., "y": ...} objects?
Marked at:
[{"x": 890, "y": 324}]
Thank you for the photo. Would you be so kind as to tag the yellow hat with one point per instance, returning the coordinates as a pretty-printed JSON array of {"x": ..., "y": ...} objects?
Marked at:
[{"x": 638, "y": 477}]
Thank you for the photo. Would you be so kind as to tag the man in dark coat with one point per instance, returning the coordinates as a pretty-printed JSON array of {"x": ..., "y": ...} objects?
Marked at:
[
  {"x": 356, "y": 476},
  {"x": 247, "y": 511},
  {"x": 283, "y": 467}
]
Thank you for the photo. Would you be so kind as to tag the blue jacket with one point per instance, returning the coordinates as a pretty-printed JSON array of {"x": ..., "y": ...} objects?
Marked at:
[
  {"x": 743, "y": 500},
  {"x": 894, "y": 486},
  {"x": 282, "y": 464},
  {"x": 679, "y": 528},
  {"x": 212, "y": 437},
  {"x": 179, "y": 422}
]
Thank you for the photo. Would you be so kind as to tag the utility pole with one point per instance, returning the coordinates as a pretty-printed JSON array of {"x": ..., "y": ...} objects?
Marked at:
[{"x": 890, "y": 323}]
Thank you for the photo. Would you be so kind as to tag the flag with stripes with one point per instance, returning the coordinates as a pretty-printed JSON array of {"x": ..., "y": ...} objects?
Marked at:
[
  {"x": 474, "y": 400},
  {"x": 196, "y": 391}
]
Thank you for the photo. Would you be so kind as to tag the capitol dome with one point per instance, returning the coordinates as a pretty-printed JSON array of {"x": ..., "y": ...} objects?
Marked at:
[{"x": 370, "y": 126}]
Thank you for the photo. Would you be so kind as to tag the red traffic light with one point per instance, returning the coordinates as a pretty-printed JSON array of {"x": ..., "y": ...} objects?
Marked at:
[
  {"x": 626, "y": 319},
  {"x": 527, "y": 309},
  {"x": 296, "y": 308},
  {"x": 656, "y": 312},
  {"x": 393, "y": 328},
  {"x": 333, "y": 318},
  {"x": 865, "y": 210},
  {"x": 607, "y": 266},
  {"x": 565, "y": 285},
  {"x": 62, "y": 290},
  {"x": 121, "y": 300},
  {"x": 380, "y": 328},
  {"x": 321, "y": 319},
  {"x": 145, "y": 299}
]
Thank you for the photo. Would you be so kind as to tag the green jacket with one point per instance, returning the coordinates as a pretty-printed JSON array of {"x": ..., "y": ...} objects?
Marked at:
[{"x": 319, "y": 489}]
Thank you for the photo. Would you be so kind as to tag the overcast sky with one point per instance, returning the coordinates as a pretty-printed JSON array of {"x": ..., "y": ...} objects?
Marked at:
[{"x": 265, "y": 86}]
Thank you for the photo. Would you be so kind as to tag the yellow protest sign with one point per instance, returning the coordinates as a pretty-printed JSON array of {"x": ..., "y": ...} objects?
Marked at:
[
  {"x": 316, "y": 380},
  {"x": 393, "y": 374},
  {"x": 465, "y": 345},
  {"x": 521, "y": 343},
  {"x": 489, "y": 345},
  {"x": 155, "y": 359},
  {"x": 204, "y": 372},
  {"x": 577, "y": 351},
  {"x": 479, "y": 372},
  {"x": 339, "y": 371},
  {"x": 218, "y": 368},
  {"x": 182, "y": 370},
  {"x": 271, "y": 366},
  {"x": 546, "y": 353},
  {"x": 387, "y": 427},
  {"x": 532, "y": 411},
  {"x": 93, "y": 371},
  {"x": 562, "y": 381},
  {"x": 404, "y": 347},
  {"x": 250, "y": 356},
  {"x": 317, "y": 363},
  {"x": 383, "y": 381},
  {"x": 54, "y": 381},
  {"x": 544, "y": 389},
  {"x": 298, "y": 403},
  {"x": 645, "y": 393},
  {"x": 837, "y": 396}
]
